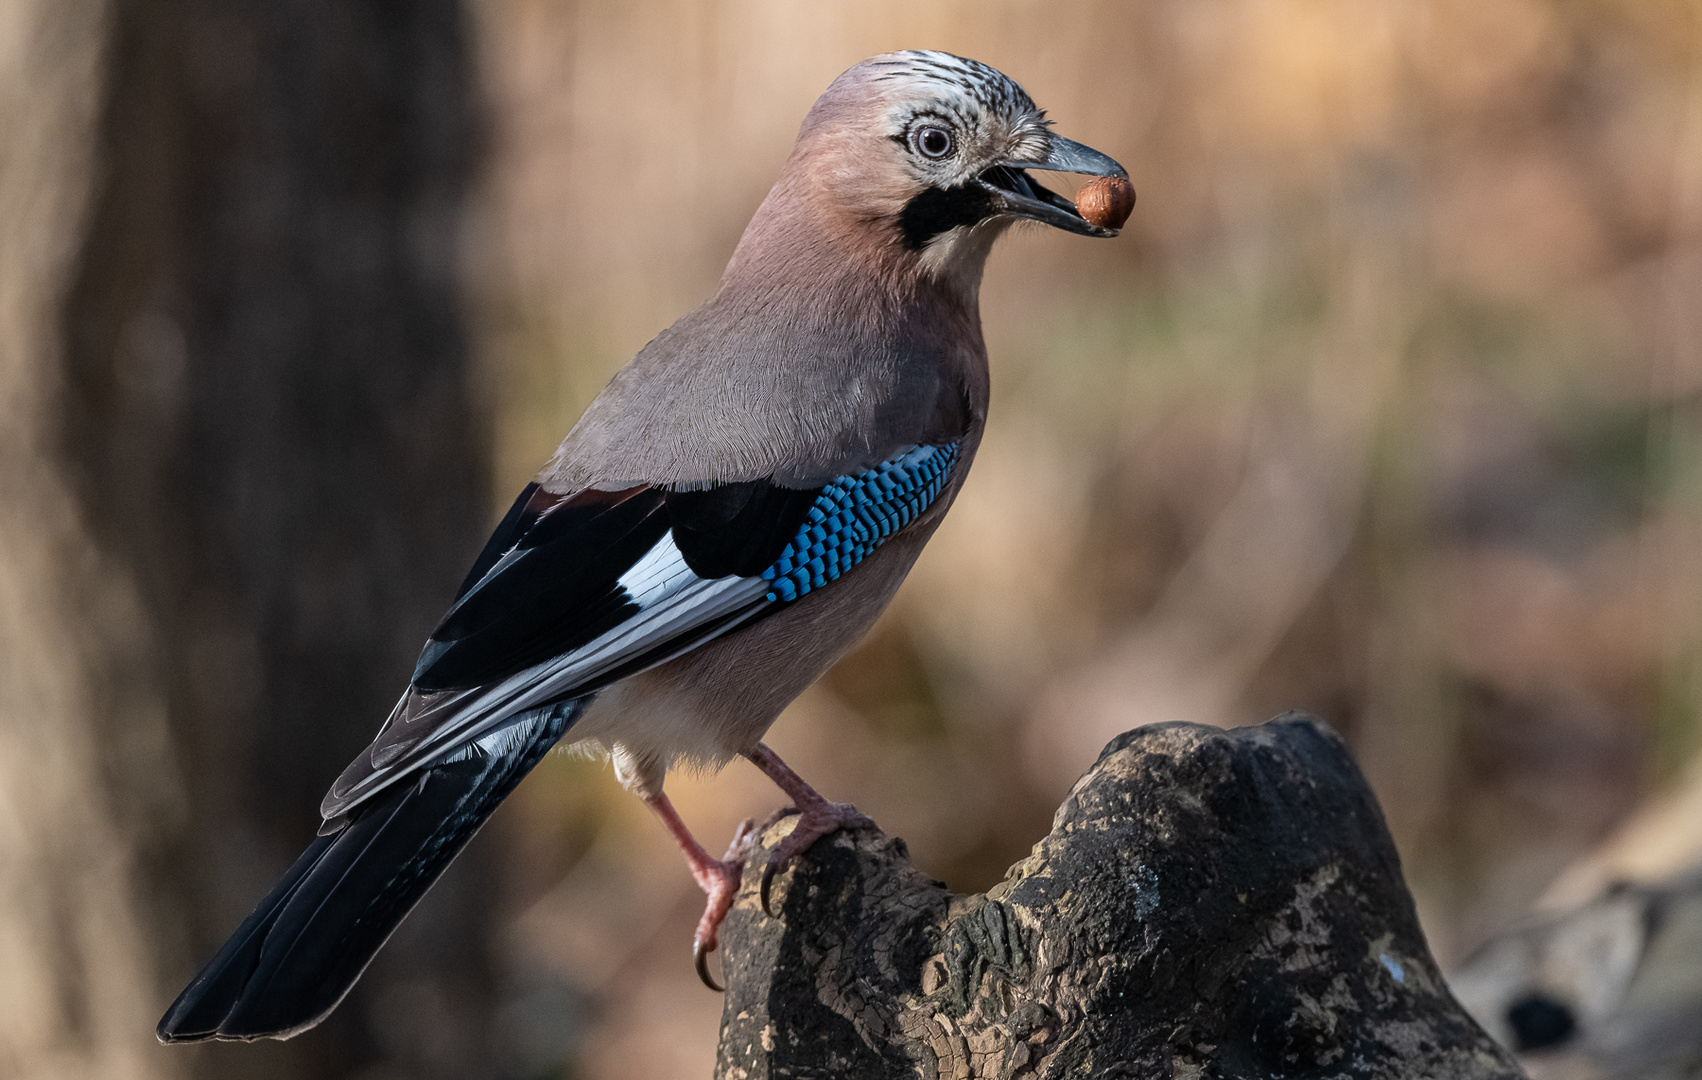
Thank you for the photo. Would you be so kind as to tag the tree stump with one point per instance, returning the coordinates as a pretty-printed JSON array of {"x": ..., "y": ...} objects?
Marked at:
[{"x": 1209, "y": 903}]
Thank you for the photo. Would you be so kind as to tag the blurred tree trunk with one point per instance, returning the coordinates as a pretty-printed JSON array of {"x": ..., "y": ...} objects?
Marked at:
[
  {"x": 241, "y": 474},
  {"x": 78, "y": 983}
]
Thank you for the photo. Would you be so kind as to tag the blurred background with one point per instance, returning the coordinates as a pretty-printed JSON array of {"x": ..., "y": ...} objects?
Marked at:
[{"x": 1387, "y": 405}]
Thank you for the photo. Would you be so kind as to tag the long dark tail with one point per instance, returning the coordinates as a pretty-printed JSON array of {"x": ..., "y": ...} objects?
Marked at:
[{"x": 290, "y": 963}]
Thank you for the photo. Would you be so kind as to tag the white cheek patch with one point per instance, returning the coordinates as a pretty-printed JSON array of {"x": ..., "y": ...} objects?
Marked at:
[{"x": 957, "y": 256}]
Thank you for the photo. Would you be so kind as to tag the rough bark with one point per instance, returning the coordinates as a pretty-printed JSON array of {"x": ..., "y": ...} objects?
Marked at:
[{"x": 1208, "y": 904}]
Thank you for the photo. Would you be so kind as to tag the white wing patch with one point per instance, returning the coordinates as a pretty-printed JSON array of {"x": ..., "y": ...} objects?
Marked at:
[
  {"x": 660, "y": 574},
  {"x": 671, "y": 600}
]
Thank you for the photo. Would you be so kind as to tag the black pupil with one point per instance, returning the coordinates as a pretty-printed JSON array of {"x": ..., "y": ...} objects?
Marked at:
[{"x": 935, "y": 142}]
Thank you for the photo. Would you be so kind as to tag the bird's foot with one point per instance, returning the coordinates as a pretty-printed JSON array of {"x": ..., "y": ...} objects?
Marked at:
[
  {"x": 816, "y": 816},
  {"x": 720, "y": 882},
  {"x": 815, "y": 820},
  {"x": 718, "y": 878}
]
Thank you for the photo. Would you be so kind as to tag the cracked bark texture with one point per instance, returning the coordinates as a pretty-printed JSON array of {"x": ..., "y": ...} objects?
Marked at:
[{"x": 1209, "y": 903}]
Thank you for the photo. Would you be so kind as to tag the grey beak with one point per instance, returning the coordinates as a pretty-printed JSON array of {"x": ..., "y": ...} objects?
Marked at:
[
  {"x": 1070, "y": 156},
  {"x": 1016, "y": 194}
]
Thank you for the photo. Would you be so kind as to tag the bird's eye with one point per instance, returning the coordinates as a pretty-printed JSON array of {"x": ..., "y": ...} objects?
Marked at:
[{"x": 931, "y": 142}]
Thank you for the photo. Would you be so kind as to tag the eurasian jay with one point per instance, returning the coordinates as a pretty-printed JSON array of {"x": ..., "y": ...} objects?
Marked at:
[{"x": 728, "y": 517}]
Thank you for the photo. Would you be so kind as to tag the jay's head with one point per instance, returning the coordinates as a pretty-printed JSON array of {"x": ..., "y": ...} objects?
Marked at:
[{"x": 922, "y": 159}]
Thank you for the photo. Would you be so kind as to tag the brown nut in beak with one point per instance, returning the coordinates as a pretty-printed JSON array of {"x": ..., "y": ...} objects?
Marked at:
[{"x": 1107, "y": 201}]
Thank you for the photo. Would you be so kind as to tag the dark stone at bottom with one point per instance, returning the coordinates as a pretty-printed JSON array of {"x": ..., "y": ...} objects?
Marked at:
[{"x": 1209, "y": 903}]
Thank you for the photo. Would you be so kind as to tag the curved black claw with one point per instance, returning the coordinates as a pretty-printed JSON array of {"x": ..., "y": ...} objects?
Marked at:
[
  {"x": 700, "y": 960},
  {"x": 767, "y": 882}
]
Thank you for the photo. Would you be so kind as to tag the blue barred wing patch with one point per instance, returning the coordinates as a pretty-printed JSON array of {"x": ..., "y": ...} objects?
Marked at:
[{"x": 854, "y": 514}]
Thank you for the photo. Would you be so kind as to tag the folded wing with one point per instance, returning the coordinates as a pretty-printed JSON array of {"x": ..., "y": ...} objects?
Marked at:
[{"x": 576, "y": 591}]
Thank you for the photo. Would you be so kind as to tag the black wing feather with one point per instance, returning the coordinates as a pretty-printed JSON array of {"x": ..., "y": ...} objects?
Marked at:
[
  {"x": 520, "y": 517},
  {"x": 549, "y": 580},
  {"x": 737, "y": 528},
  {"x": 554, "y": 590}
]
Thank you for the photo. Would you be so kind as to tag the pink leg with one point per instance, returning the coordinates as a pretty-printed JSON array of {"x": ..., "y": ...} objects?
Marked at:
[
  {"x": 816, "y": 816},
  {"x": 718, "y": 878}
]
